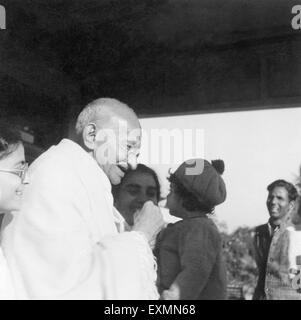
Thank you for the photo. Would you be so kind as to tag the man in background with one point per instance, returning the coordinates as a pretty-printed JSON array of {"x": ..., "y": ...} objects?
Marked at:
[{"x": 270, "y": 241}]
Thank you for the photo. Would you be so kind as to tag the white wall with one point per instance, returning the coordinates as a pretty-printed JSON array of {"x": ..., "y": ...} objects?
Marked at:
[{"x": 258, "y": 147}]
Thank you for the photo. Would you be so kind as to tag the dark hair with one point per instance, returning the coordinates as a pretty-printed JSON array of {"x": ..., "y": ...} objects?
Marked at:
[
  {"x": 298, "y": 208},
  {"x": 141, "y": 168},
  {"x": 9, "y": 140},
  {"x": 190, "y": 201},
  {"x": 291, "y": 190}
]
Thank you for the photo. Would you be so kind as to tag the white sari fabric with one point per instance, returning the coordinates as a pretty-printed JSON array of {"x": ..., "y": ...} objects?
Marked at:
[
  {"x": 6, "y": 285},
  {"x": 64, "y": 243}
]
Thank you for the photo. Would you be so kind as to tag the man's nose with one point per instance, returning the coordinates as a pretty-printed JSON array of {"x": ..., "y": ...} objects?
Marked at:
[
  {"x": 132, "y": 161},
  {"x": 26, "y": 179},
  {"x": 20, "y": 187}
]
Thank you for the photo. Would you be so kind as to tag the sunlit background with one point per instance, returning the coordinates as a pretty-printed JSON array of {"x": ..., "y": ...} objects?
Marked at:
[{"x": 258, "y": 147}]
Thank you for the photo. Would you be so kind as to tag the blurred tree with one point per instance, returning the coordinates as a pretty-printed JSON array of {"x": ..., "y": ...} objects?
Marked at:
[{"x": 239, "y": 256}]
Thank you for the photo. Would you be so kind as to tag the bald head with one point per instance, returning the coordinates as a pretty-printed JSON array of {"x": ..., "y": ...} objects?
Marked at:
[
  {"x": 110, "y": 132},
  {"x": 104, "y": 111}
]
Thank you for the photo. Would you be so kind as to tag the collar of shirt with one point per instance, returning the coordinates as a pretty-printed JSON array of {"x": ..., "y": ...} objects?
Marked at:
[{"x": 272, "y": 230}]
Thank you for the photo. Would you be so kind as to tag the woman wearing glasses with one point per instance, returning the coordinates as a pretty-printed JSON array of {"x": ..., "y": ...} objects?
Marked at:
[{"x": 12, "y": 178}]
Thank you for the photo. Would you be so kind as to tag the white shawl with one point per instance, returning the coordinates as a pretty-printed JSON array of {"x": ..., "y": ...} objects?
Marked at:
[
  {"x": 6, "y": 285},
  {"x": 64, "y": 243}
]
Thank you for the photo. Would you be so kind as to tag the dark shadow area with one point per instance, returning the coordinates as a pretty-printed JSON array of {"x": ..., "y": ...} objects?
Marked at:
[{"x": 160, "y": 56}]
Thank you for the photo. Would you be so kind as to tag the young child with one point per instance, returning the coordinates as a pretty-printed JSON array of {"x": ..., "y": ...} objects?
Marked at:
[{"x": 189, "y": 252}]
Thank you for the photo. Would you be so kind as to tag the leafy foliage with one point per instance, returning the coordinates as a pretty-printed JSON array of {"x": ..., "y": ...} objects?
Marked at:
[{"x": 240, "y": 257}]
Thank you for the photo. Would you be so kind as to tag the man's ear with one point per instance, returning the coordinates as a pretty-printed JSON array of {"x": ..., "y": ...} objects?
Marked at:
[
  {"x": 89, "y": 134},
  {"x": 292, "y": 205}
]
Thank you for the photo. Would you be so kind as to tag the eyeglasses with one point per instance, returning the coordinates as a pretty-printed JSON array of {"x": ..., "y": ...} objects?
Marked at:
[{"x": 18, "y": 172}]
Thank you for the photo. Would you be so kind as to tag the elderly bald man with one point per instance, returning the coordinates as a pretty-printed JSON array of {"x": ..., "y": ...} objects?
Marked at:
[{"x": 67, "y": 242}]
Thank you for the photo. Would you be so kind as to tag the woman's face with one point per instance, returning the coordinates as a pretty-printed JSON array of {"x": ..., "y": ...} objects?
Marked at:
[
  {"x": 136, "y": 188},
  {"x": 11, "y": 187}
]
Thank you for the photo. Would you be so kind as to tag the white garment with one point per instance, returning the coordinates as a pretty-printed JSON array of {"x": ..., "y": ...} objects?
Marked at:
[
  {"x": 294, "y": 246},
  {"x": 6, "y": 285},
  {"x": 64, "y": 243}
]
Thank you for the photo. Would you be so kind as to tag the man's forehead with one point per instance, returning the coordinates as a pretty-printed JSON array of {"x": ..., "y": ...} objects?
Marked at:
[
  {"x": 125, "y": 125},
  {"x": 123, "y": 130},
  {"x": 131, "y": 130},
  {"x": 279, "y": 191},
  {"x": 129, "y": 122}
]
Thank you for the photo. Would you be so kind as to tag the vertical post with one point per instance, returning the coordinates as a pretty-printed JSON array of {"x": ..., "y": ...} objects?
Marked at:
[{"x": 2, "y": 18}]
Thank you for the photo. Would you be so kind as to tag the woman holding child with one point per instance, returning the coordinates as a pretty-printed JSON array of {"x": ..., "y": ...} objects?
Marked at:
[{"x": 189, "y": 252}]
